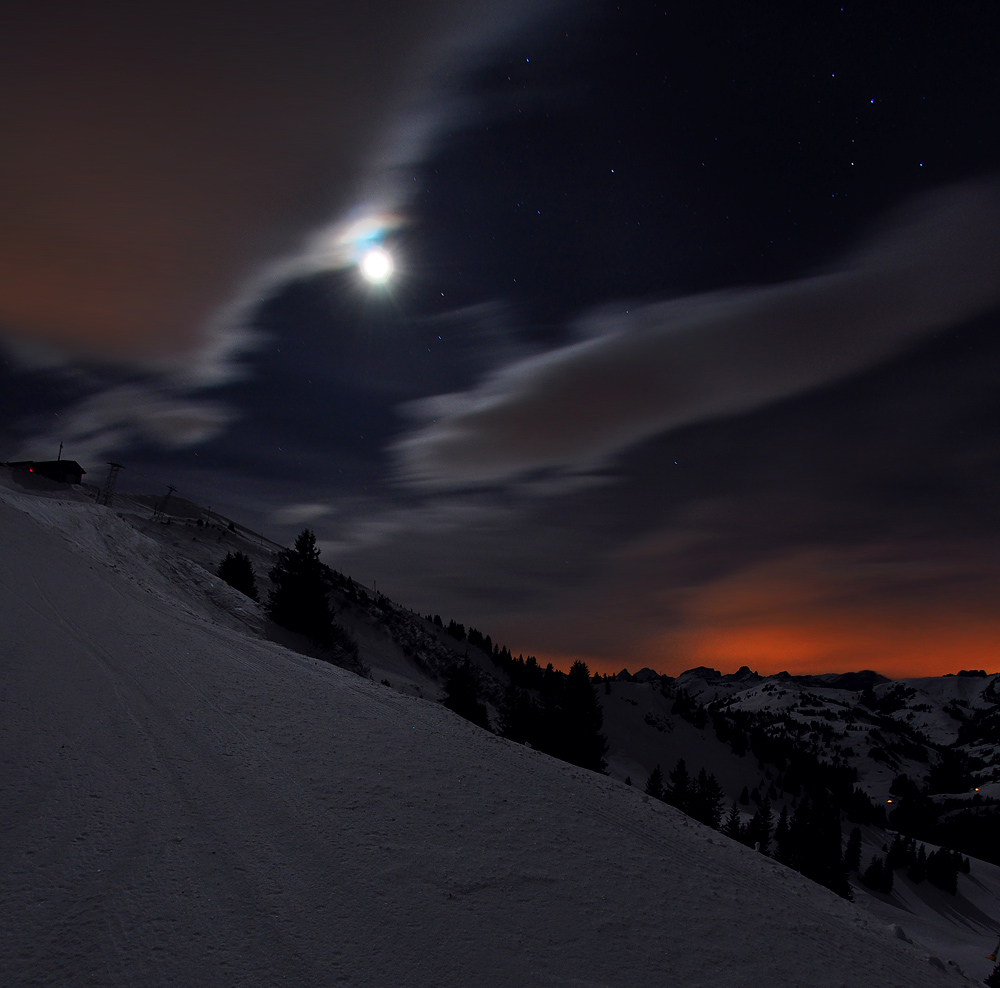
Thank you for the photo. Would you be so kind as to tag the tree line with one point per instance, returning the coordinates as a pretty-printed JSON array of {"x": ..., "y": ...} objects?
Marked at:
[
  {"x": 799, "y": 770},
  {"x": 941, "y": 867},
  {"x": 700, "y": 797},
  {"x": 299, "y": 596},
  {"x": 563, "y": 717},
  {"x": 523, "y": 672},
  {"x": 554, "y": 712},
  {"x": 808, "y": 840},
  {"x": 566, "y": 721}
]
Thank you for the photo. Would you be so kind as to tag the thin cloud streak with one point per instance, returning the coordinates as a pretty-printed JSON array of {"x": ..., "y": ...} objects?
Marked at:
[
  {"x": 129, "y": 414},
  {"x": 688, "y": 360}
]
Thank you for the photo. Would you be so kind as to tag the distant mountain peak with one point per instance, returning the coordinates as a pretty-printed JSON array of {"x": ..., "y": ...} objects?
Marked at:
[
  {"x": 646, "y": 675},
  {"x": 703, "y": 672},
  {"x": 854, "y": 682}
]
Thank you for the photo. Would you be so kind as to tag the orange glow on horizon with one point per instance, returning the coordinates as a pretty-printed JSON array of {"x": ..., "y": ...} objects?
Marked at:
[
  {"x": 802, "y": 649},
  {"x": 918, "y": 648},
  {"x": 830, "y": 610}
]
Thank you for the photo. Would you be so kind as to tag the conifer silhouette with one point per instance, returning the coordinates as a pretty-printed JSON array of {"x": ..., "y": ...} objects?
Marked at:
[
  {"x": 852, "y": 853},
  {"x": 733, "y": 827},
  {"x": 918, "y": 870},
  {"x": 878, "y": 876},
  {"x": 782, "y": 849},
  {"x": 678, "y": 792},
  {"x": 461, "y": 694},
  {"x": 298, "y": 601},
  {"x": 583, "y": 719},
  {"x": 654, "y": 784},
  {"x": 237, "y": 570},
  {"x": 705, "y": 802},
  {"x": 518, "y": 718},
  {"x": 759, "y": 830}
]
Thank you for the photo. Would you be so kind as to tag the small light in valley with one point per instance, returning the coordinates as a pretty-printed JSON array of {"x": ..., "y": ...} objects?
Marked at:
[{"x": 376, "y": 265}]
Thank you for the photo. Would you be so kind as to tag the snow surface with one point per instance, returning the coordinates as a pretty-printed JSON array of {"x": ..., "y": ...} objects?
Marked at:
[{"x": 185, "y": 804}]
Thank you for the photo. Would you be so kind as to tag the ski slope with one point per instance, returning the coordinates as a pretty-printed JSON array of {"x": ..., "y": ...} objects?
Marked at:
[{"x": 185, "y": 804}]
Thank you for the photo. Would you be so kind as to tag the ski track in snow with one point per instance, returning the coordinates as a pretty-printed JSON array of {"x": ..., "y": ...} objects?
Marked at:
[{"x": 187, "y": 805}]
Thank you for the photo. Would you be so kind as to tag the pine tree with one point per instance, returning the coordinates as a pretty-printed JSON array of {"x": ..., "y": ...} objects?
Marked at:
[
  {"x": 799, "y": 836},
  {"x": 654, "y": 784},
  {"x": 872, "y": 876},
  {"x": 705, "y": 802},
  {"x": 887, "y": 880},
  {"x": 733, "y": 827},
  {"x": 852, "y": 853},
  {"x": 942, "y": 870},
  {"x": 237, "y": 570},
  {"x": 781, "y": 844},
  {"x": 516, "y": 721},
  {"x": 583, "y": 719},
  {"x": 299, "y": 598},
  {"x": 759, "y": 831},
  {"x": 898, "y": 856},
  {"x": 918, "y": 870},
  {"x": 461, "y": 694},
  {"x": 550, "y": 732},
  {"x": 993, "y": 979},
  {"x": 878, "y": 876},
  {"x": 830, "y": 837},
  {"x": 678, "y": 793},
  {"x": 814, "y": 844}
]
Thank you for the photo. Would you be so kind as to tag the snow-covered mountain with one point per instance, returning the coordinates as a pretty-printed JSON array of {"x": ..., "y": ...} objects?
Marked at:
[
  {"x": 880, "y": 727},
  {"x": 187, "y": 801}
]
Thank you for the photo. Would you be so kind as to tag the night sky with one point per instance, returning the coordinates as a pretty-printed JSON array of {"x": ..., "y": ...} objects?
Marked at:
[{"x": 689, "y": 356}]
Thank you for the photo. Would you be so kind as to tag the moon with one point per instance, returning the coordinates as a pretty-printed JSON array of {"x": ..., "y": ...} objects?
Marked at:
[{"x": 376, "y": 265}]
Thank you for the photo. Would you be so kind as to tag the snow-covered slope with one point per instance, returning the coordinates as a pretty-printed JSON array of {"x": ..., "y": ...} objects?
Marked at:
[
  {"x": 881, "y": 727},
  {"x": 184, "y": 804}
]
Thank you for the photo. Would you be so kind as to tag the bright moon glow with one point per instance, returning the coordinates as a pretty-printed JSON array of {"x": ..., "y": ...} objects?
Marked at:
[{"x": 376, "y": 265}]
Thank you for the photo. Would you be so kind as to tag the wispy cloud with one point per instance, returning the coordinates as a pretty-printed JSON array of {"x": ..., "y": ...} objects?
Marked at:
[
  {"x": 129, "y": 414},
  {"x": 299, "y": 514},
  {"x": 670, "y": 364}
]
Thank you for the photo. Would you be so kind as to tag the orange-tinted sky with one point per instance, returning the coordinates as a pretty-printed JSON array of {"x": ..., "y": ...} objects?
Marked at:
[
  {"x": 156, "y": 154},
  {"x": 897, "y": 650},
  {"x": 894, "y": 610}
]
